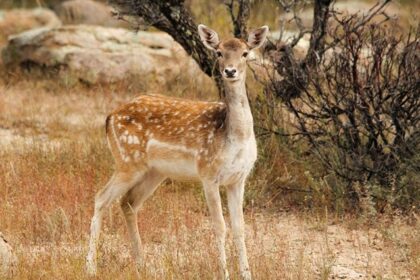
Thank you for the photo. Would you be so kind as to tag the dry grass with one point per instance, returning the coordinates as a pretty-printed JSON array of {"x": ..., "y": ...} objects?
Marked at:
[{"x": 54, "y": 159}]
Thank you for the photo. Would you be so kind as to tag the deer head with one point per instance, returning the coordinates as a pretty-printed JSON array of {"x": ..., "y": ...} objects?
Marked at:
[{"x": 232, "y": 54}]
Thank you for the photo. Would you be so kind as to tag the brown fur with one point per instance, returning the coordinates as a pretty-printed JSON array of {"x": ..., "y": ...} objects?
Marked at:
[
  {"x": 233, "y": 44},
  {"x": 199, "y": 125}
]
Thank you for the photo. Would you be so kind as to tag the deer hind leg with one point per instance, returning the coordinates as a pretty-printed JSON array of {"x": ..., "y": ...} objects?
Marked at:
[
  {"x": 131, "y": 203},
  {"x": 215, "y": 208},
  {"x": 119, "y": 184},
  {"x": 235, "y": 195}
]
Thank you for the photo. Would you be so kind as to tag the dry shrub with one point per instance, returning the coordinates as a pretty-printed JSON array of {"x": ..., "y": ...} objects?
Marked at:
[
  {"x": 354, "y": 102},
  {"x": 360, "y": 113}
]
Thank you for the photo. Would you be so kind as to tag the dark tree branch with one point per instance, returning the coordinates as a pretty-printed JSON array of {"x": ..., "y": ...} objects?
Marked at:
[
  {"x": 353, "y": 98},
  {"x": 173, "y": 18},
  {"x": 321, "y": 10},
  {"x": 294, "y": 71},
  {"x": 241, "y": 18}
]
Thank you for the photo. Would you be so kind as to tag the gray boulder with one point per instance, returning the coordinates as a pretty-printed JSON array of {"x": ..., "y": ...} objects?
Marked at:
[{"x": 95, "y": 54}]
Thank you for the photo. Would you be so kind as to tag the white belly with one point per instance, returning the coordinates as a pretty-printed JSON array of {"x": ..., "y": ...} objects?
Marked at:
[
  {"x": 179, "y": 162},
  {"x": 175, "y": 168},
  {"x": 174, "y": 161}
]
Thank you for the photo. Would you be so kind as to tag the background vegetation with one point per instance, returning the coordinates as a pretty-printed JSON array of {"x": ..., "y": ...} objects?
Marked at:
[{"x": 56, "y": 159}]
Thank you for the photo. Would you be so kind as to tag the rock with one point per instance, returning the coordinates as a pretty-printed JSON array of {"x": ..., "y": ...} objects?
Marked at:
[
  {"x": 87, "y": 12},
  {"x": 19, "y": 20},
  {"x": 95, "y": 54},
  {"x": 7, "y": 259}
]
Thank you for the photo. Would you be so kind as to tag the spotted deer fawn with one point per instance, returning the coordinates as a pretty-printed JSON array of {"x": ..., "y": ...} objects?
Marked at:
[{"x": 154, "y": 137}]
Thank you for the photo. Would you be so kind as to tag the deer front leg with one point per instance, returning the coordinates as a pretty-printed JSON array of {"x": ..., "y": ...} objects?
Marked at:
[
  {"x": 215, "y": 208},
  {"x": 235, "y": 195}
]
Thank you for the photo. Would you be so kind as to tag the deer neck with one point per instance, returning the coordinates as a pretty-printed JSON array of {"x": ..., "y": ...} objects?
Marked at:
[{"x": 239, "y": 122}]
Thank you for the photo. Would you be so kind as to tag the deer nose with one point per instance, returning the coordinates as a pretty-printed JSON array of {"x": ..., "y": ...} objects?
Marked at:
[{"x": 230, "y": 72}]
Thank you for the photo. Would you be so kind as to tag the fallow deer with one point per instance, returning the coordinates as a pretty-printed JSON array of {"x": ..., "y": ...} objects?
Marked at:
[{"x": 154, "y": 137}]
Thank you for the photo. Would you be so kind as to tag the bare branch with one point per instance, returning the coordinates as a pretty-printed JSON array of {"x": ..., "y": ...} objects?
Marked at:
[
  {"x": 241, "y": 18},
  {"x": 173, "y": 18}
]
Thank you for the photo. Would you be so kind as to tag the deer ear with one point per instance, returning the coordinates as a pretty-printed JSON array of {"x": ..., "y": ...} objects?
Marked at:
[
  {"x": 257, "y": 37},
  {"x": 208, "y": 36}
]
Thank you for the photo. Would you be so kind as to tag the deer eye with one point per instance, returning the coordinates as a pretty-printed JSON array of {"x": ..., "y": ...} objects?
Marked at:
[
  {"x": 245, "y": 54},
  {"x": 219, "y": 54}
]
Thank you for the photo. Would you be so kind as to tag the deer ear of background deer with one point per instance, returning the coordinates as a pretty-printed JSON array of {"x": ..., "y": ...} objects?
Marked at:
[
  {"x": 257, "y": 37},
  {"x": 208, "y": 36}
]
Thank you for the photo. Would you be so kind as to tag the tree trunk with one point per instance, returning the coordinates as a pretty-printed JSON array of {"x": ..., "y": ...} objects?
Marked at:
[
  {"x": 173, "y": 18},
  {"x": 239, "y": 20},
  {"x": 319, "y": 26}
]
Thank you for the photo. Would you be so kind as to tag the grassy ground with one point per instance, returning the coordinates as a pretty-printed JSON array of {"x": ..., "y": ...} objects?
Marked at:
[{"x": 54, "y": 159}]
